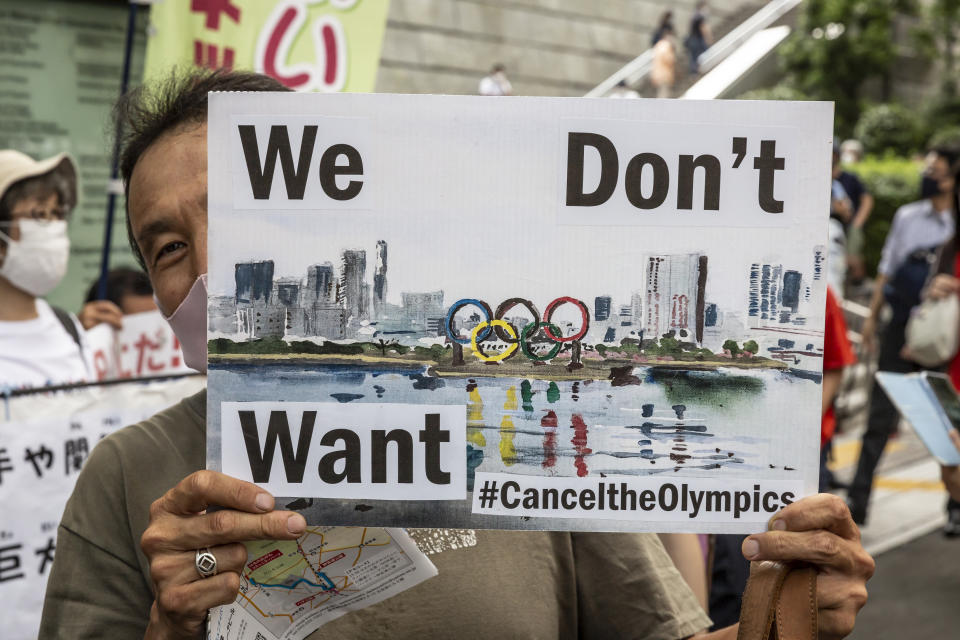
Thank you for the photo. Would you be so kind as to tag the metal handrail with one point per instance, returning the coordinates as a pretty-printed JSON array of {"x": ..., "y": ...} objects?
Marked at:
[
  {"x": 638, "y": 69},
  {"x": 633, "y": 72},
  {"x": 759, "y": 21}
]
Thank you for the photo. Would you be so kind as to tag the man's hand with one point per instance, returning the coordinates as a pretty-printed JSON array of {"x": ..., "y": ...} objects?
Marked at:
[
  {"x": 179, "y": 526},
  {"x": 99, "y": 311},
  {"x": 943, "y": 285},
  {"x": 819, "y": 530}
]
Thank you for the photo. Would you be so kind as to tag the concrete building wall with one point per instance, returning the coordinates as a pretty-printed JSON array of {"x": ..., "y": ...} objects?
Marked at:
[{"x": 550, "y": 47}]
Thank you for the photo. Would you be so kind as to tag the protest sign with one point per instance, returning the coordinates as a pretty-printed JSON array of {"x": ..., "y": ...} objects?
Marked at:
[
  {"x": 530, "y": 313},
  {"x": 45, "y": 439},
  {"x": 307, "y": 45},
  {"x": 144, "y": 347}
]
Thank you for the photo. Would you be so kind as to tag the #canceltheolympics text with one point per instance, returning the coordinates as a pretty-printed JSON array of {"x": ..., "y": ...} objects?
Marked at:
[{"x": 631, "y": 498}]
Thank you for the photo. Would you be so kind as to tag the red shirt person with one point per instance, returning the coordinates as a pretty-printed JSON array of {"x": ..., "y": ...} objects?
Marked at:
[{"x": 837, "y": 354}]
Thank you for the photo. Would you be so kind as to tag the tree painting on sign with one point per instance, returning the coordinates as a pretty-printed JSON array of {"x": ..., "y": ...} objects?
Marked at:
[{"x": 663, "y": 350}]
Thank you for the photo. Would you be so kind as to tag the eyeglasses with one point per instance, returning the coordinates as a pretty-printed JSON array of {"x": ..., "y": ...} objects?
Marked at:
[{"x": 41, "y": 215}]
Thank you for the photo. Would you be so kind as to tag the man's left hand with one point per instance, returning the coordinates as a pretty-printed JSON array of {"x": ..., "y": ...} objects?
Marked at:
[{"x": 819, "y": 530}]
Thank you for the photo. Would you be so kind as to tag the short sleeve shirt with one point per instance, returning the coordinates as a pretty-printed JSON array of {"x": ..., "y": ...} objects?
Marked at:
[
  {"x": 853, "y": 186},
  {"x": 915, "y": 226},
  {"x": 39, "y": 352}
]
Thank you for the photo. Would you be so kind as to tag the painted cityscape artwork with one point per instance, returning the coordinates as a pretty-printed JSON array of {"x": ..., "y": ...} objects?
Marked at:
[{"x": 678, "y": 352}]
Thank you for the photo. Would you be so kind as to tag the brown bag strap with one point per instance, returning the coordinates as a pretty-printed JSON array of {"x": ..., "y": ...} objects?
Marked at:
[{"x": 779, "y": 603}]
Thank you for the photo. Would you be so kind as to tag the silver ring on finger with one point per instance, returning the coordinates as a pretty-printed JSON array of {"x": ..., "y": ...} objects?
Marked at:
[{"x": 206, "y": 563}]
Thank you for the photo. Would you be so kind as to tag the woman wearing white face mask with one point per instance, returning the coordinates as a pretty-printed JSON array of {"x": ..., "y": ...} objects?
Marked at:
[{"x": 39, "y": 344}]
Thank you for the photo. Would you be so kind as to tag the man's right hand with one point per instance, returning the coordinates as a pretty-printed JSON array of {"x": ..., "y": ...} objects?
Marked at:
[{"x": 179, "y": 525}]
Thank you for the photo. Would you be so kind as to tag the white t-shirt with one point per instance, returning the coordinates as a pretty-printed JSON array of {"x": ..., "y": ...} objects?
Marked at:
[
  {"x": 495, "y": 85},
  {"x": 40, "y": 352}
]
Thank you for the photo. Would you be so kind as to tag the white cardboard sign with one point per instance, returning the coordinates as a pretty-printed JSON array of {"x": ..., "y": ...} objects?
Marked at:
[{"x": 626, "y": 292}]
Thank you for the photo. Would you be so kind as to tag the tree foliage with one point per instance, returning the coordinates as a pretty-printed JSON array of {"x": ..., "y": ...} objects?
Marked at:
[
  {"x": 838, "y": 46},
  {"x": 942, "y": 19}
]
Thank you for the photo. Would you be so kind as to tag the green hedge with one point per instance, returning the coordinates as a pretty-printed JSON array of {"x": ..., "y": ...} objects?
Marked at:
[
  {"x": 893, "y": 181},
  {"x": 887, "y": 128}
]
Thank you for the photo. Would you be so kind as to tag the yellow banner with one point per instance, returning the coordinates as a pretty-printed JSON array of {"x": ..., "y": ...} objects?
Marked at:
[{"x": 308, "y": 45}]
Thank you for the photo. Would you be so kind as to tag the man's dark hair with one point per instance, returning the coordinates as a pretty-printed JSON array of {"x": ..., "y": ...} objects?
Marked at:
[
  {"x": 146, "y": 113},
  {"x": 122, "y": 281}
]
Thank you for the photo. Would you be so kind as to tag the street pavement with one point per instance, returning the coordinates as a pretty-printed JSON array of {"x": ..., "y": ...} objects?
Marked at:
[{"x": 915, "y": 592}]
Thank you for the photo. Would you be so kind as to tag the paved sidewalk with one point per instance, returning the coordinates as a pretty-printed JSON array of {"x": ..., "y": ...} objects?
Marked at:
[
  {"x": 915, "y": 592},
  {"x": 908, "y": 498}
]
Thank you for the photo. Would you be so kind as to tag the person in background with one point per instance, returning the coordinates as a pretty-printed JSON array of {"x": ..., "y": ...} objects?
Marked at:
[
  {"x": 700, "y": 37},
  {"x": 951, "y": 478},
  {"x": 665, "y": 22},
  {"x": 861, "y": 206},
  {"x": 40, "y": 345},
  {"x": 497, "y": 83},
  {"x": 663, "y": 72},
  {"x": 128, "y": 291},
  {"x": 840, "y": 212},
  {"x": 851, "y": 152},
  {"x": 837, "y": 355},
  {"x": 946, "y": 282},
  {"x": 623, "y": 91},
  {"x": 918, "y": 229}
]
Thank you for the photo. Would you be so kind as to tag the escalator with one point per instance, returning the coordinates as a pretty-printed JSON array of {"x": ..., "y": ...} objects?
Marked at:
[{"x": 741, "y": 58}]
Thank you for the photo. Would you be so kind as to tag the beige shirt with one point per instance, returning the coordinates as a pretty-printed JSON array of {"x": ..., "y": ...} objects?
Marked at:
[
  {"x": 508, "y": 585},
  {"x": 663, "y": 69}
]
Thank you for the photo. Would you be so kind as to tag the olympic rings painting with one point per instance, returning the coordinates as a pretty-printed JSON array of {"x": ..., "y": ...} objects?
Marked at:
[{"x": 495, "y": 324}]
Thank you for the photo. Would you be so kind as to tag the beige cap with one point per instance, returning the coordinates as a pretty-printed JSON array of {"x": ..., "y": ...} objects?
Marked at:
[{"x": 15, "y": 166}]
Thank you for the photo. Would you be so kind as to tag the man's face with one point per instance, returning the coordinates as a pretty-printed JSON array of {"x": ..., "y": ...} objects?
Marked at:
[{"x": 168, "y": 212}]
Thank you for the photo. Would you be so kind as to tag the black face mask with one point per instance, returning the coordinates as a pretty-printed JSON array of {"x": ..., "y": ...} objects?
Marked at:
[{"x": 929, "y": 187}]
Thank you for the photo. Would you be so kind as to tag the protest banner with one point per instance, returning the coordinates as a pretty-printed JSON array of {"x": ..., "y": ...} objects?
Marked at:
[
  {"x": 530, "y": 313},
  {"x": 145, "y": 347},
  {"x": 308, "y": 45},
  {"x": 45, "y": 438}
]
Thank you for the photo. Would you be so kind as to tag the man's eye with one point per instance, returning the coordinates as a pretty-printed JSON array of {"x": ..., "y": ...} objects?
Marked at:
[{"x": 169, "y": 248}]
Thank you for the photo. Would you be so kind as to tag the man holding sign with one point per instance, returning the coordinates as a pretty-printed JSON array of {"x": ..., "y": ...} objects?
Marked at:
[{"x": 539, "y": 583}]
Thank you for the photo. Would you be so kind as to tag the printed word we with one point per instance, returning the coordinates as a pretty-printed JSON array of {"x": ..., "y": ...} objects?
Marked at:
[{"x": 260, "y": 169}]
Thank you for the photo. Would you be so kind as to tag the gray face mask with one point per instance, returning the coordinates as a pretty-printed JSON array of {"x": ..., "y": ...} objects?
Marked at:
[{"x": 37, "y": 262}]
